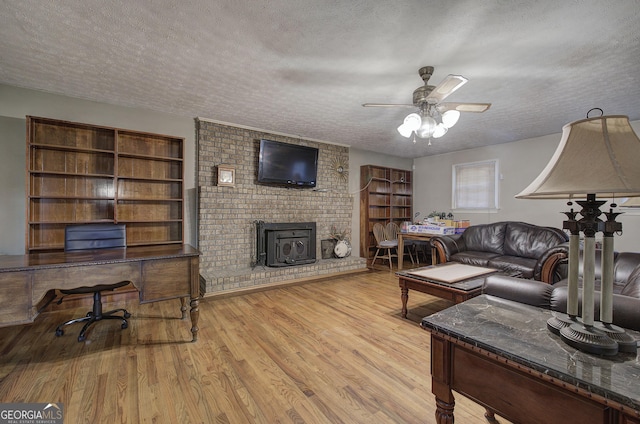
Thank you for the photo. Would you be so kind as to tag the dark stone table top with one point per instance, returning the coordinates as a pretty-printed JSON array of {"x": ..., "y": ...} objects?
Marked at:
[{"x": 519, "y": 332}]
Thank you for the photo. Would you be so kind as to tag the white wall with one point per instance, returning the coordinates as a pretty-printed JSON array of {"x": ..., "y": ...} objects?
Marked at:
[
  {"x": 520, "y": 163},
  {"x": 12, "y": 185},
  {"x": 357, "y": 158},
  {"x": 18, "y": 103}
]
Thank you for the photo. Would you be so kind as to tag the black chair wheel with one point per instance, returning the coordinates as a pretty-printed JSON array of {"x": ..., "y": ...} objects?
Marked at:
[
  {"x": 127, "y": 315},
  {"x": 124, "y": 325},
  {"x": 59, "y": 332}
]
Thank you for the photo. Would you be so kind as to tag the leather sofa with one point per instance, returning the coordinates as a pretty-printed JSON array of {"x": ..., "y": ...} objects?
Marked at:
[
  {"x": 626, "y": 273},
  {"x": 626, "y": 307},
  {"x": 510, "y": 246}
]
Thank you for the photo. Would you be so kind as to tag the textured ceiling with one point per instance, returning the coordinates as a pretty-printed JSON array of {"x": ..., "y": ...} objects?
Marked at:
[{"x": 304, "y": 67}]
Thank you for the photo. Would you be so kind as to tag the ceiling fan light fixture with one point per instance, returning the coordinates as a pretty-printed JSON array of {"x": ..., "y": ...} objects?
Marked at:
[
  {"x": 440, "y": 130},
  {"x": 412, "y": 122},
  {"x": 434, "y": 117},
  {"x": 450, "y": 117},
  {"x": 427, "y": 128},
  {"x": 405, "y": 131}
]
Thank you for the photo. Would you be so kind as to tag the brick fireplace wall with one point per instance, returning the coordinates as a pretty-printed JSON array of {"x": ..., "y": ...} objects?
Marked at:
[{"x": 227, "y": 215}]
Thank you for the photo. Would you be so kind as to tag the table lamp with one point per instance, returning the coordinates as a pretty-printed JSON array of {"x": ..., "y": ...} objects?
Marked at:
[{"x": 596, "y": 157}]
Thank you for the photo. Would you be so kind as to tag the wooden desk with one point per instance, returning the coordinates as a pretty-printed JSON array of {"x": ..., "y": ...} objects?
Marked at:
[
  {"x": 412, "y": 236},
  {"x": 500, "y": 354},
  {"x": 158, "y": 272}
]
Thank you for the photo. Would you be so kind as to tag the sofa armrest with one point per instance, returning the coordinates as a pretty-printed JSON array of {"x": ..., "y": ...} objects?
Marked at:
[
  {"x": 445, "y": 246},
  {"x": 626, "y": 309},
  {"x": 550, "y": 266},
  {"x": 530, "y": 292}
]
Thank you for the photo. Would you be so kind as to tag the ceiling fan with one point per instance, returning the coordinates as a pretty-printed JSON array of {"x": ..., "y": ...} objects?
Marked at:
[{"x": 428, "y": 99}]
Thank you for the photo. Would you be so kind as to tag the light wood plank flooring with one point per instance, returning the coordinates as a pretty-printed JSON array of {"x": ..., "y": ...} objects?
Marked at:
[{"x": 328, "y": 351}]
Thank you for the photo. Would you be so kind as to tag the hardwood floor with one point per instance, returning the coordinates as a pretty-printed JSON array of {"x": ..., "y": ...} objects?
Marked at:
[{"x": 327, "y": 351}]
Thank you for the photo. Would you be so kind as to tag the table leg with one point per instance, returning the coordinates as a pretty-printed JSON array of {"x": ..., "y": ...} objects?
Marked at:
[
  {"x": 441, "y": 367},
  {"x": 404, "y": 295},
  {"x": 183, "y": 307},
  {"x": 400, "y": 251},
  {"x": 490, "y": 416},
  {"x": 444, "y": 411},
  {"x": 195, "y": 315}
]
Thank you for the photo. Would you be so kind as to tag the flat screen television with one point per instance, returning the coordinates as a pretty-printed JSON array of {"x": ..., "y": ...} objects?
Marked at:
[{"x": 287, "y": 164}]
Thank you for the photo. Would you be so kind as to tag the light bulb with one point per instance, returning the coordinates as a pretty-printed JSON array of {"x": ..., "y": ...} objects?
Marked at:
[
  {"x": 450, "y": 117},
  {"x": 440, "y": 130},
  {"x": 412, "y": 121},
  {"x": 405, "y": 131}
]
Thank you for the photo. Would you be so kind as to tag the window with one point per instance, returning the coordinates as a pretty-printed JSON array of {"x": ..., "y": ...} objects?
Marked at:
[{"x": 475, "y": 186}]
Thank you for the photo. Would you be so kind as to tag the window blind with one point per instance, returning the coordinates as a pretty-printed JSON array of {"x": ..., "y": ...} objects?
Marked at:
[{"x": 475, "y": 185}]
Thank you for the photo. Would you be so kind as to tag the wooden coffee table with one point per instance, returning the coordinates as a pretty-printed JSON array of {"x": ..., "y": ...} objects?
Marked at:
[{"x": 451, "y": 281}]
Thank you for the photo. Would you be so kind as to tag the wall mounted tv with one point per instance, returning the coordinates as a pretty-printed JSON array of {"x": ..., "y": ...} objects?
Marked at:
[{"x": 287, "y": 164}]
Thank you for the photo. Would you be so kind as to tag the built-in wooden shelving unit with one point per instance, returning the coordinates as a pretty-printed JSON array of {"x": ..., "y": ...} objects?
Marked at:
[{"x": 81, "y": 173}]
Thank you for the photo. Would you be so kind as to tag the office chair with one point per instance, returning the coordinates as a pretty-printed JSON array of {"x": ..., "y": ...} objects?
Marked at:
[{"x": 89, "y": 237}]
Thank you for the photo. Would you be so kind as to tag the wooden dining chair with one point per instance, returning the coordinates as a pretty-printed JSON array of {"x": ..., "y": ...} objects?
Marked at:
[
  {"x": 391, "y": 231},
  {"x": 387, "y": 246}
]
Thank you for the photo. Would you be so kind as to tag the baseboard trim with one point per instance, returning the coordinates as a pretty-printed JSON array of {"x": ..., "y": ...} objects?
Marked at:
[{"x": 269, "y": 286}]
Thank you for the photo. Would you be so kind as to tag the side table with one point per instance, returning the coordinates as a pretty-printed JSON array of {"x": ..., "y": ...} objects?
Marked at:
[{"x": 500, "y": 354}]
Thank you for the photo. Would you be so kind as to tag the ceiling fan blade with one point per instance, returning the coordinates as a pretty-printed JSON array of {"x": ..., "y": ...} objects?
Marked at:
[
  {"x": 387, "y": 105},
  {"x": 447, "y": 86},
  {"x": 463, "y": 107}
]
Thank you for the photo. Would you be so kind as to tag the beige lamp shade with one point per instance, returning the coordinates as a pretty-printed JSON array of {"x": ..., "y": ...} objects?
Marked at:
[
  {"x": 633, "y": 202},
  {"x": 598, "y": 156}
]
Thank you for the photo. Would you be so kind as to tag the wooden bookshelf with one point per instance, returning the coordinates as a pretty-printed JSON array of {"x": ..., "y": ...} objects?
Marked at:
[
  {"x": 386, "y": 195},
  {"x": 81, "y": 173}
]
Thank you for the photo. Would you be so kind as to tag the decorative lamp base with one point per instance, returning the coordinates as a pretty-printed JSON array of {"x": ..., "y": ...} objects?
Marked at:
[
  {"x": 626, "y": 343},
  {"x": 559, "y": 321},
  {"x": 587, "y": 338}
]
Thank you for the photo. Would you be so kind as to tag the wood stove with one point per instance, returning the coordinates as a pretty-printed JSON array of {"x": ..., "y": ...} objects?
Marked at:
[{"x": 286, "y": 243}]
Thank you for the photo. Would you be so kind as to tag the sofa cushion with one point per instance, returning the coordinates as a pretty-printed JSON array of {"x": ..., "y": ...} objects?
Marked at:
[
  {"x": 625, "y": 264},
  {"x": 513, "y": 265},
  {"x": 486, "y": 237},
  {"x": 473, "y": 258},
  {"x": 530, "y": 241}
]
